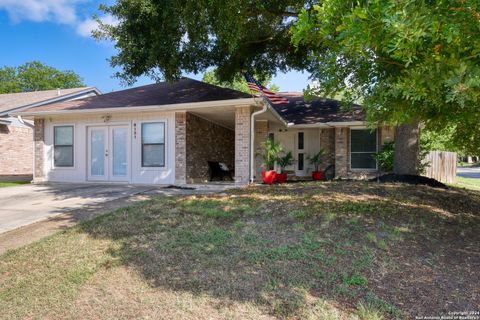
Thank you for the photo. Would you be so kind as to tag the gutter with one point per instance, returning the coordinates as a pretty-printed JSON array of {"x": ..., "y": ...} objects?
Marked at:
[
  {"x": 20, "y": 119},
  {"x": 127, "y": 109}
]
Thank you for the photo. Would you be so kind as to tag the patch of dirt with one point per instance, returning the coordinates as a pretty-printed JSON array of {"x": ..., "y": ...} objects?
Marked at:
[{"x": 410, "y": 179}]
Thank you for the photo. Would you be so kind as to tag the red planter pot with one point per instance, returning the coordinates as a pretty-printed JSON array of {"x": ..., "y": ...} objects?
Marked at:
[
  {"x": 317, "y": 175},
  {"x": 269, "y": 177},
  {"x": 281, "y": 177}
]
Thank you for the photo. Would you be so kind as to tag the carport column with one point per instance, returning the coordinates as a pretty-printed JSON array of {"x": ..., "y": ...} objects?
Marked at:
[
  {"x": 39, "y": 150},
  {"x": 242, "y": 144},
  {"x": 341, "y": 152},
  {"x": 180, "y": 147}
]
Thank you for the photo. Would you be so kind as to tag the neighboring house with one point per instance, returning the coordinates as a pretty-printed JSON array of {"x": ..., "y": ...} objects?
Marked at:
[
  {"x": 165, "y": 133},
  {"x": 16, "y": 135}
]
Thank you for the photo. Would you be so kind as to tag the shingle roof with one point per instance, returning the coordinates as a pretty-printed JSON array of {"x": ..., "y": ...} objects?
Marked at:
[
  {"x": 10, "y": 101},
  {"x": 318, "y": 110},
  {"x": 184, "y": 90}
]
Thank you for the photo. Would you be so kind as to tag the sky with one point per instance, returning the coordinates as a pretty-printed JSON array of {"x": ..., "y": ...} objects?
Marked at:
[{"x": 57, "y": 33}]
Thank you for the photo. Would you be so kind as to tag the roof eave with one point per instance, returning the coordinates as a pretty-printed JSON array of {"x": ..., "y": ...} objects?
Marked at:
[
  {"x": 166, "y": 107},
  {"x": 327, "y": 124},
  {"x": 53, "y": 100}
]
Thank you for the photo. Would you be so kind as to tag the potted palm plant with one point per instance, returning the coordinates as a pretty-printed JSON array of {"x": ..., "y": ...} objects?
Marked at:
[
  {"x": 316, "y": 161},
  {"x": 284, "y": 162},
  {"x": 269, "y": 154}
]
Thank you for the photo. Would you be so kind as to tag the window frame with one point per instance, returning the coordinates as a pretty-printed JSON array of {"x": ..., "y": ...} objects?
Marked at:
[
  {"x": 357, "y": 152},
  {"x": 163, "y": 144},
  {"x": 54, "y": 165}
]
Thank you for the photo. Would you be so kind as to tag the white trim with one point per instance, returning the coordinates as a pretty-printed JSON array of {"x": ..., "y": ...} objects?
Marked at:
[
  {"x": 165, "y": 107},
  {"x": 350, "y": 150},
  {"x": 324, "y": 125}
]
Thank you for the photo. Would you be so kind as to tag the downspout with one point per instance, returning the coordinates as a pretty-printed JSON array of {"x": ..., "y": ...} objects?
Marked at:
[
  {"x": 252, "y": 139},
  {"x": 20, "y": 119}
]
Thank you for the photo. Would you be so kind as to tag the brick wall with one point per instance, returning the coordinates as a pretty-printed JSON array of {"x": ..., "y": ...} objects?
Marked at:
[
  {"x": 242, "y": 144},
  {"x": 180, "y": 147},
  {"x": 261, "y": 135},
  {"x": 341, "y": 151},
  {"x": 327, "y": 142},
  {"x": 39, "y": 150},
  {"x": 16, "y": 153},
  {"x": 206, "y": 141}
]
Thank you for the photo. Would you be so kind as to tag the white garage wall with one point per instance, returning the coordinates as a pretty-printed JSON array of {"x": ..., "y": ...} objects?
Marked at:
[{"x": 78, "y": 173}]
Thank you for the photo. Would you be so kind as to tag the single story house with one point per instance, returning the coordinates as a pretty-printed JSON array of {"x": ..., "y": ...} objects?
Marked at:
[
  {"x": 165, "y": 133},
  {"x": 16, "y": 135}
]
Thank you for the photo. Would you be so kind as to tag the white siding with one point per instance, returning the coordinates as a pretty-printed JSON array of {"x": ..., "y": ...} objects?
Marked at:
[
  {"x": 289, "y": 140},
  {"x": 164, "y": 175}
]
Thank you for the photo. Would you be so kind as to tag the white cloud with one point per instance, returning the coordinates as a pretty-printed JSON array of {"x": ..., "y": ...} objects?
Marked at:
[
  {"x": 60, "y": 11},
  {"x": 57, "y": 11},
  {"x": 86, "y": 27}
]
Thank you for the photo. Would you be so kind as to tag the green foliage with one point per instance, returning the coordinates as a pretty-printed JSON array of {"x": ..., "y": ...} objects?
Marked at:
[
  {"x": 285, "y": 161},
  {"x": 407, "y": 61},
  {"x": 271, "y": 150},
  {"x": 36, "y": 76},
  {"x": 316, "y": 159},
  {"x": 163, "y": 39},
  {"x": 386, "y": 155},
  {"x": 238, "y": 82}
]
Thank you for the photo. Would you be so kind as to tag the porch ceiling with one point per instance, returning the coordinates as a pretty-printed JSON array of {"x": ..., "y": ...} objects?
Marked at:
[{"x": 225, "y": 115}]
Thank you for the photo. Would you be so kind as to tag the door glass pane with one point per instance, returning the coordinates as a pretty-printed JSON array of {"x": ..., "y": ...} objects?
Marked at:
[
  {"x": 119, "y": 151},
  {"x": 97, "y": 155},
  {"x": 300, "y": 161}
]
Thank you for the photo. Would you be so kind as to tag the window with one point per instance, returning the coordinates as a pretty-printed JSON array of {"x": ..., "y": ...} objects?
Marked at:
[
  {"x": 271, "y": 136},
  {"x": 363, "y": 147},
  {"x": 63, "y": 146},
  {"x": 153, "y": 144},
  {"x": 300, "y": 140}
]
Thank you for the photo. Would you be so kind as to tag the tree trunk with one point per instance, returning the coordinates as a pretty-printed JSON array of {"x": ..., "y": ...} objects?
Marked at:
[{"x": 407, "y": 149}]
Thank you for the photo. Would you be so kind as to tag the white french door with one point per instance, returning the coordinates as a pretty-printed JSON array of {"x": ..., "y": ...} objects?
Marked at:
[{"x": 108, "y": 153}]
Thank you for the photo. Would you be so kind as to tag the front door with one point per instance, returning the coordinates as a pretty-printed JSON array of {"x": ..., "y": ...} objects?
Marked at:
[{"x": 108, "y": 153}]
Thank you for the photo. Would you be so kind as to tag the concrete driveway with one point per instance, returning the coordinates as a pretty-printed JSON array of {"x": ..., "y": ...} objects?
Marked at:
[
  {"x": 469, "y": 172},
  {"x": 23, "y": 205}
]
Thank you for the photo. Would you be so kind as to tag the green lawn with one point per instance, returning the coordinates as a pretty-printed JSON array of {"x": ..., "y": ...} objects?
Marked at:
[
  {"x": 468, "y": 183},
  {"x": 342, "y": 250},
  {"x": 12, "y": 184}
]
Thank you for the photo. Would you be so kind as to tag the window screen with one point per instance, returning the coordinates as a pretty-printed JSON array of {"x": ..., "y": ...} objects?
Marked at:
[
  {"x": 153, "y": 144},
  {"x": 63, "y": 146},
  {"x": 363, "y": 147}
]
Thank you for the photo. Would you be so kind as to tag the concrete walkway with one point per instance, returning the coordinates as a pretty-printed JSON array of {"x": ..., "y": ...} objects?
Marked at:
[
  {"x": 30, "y": 212},
  {"x": 469, "y": 172}
]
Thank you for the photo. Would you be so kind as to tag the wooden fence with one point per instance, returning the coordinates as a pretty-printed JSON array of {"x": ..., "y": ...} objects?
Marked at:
[{"x": 442, "y": 166}]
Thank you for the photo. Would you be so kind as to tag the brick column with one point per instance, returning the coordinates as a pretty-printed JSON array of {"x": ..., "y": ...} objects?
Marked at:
[
  {"x": 386, "y": 133},
  {"x": 39, "y": 150},
  {"x": 180, "y": 147},
  {"x": 261, "y": 135},
  {"x": 341, "y": 152},
  {"x": 242, "y": 144},
  {"x": 327, "y": 142}
]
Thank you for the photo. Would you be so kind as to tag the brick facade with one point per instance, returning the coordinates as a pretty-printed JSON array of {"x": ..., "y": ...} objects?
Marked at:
[
  {"x": 39, "y": 149},
  {"x": 342, "y": 163},
  {"x": 180, "y": 147},
  {"x": 16, "y": 153},
  {"x": 261, "y": 135},
  {"x": 327, "y": 142},
  {"x": 242, "y": 144},
  {"x": 206, "y": 141}
]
